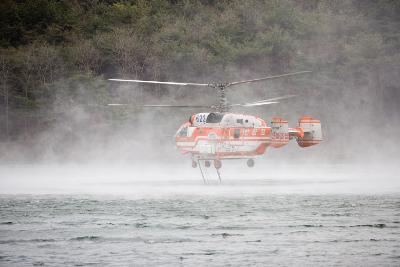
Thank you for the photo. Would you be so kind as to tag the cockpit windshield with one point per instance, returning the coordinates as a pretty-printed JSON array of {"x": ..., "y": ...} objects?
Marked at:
[{"x": 214, "y": 117}]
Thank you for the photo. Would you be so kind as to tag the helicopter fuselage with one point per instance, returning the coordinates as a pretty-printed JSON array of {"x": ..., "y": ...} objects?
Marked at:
[{"x": 216, "y": 136}]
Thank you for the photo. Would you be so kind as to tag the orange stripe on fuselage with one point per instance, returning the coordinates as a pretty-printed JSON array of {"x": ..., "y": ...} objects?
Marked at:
[
  {"x": 266, "y": 140},
  {"x": 258, "y": 151},
  {"x": 225, "y": 133}
]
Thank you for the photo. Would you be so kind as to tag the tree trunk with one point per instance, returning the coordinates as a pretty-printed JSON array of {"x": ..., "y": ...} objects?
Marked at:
[
  {"x": 4, "y": 73},
  {"x": 7, "y": 113}
]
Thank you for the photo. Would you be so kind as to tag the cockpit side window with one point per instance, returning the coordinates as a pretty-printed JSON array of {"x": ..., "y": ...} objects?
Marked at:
[
  {"x": 183, "y": 131},
  {"x": 214, "y": 117}
]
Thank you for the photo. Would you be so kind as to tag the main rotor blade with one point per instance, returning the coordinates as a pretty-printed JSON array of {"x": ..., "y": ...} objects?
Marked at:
[
  {"x": 260, "y": 104},
  {"x": 254, "y": 104},
  {"x": 263, "y": 102},
  {"x": 157, "y": 82},
  {"x": 176, "y": 106},
  {"x": 275, "y": 98},
  {"x": 161, "y": 106},
  {"x": 269, "y": 77}
]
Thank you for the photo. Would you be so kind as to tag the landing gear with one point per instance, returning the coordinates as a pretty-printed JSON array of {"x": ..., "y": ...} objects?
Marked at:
[
  {"x": 250, "y": 163},
  {"x": 217, "y": 164},
  {"x": 194, "y": 164},
  {"x": 207, "y": 163}
]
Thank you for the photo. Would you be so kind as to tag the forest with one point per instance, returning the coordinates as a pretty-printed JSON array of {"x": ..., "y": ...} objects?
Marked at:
[{"x": 58, "y": 54}]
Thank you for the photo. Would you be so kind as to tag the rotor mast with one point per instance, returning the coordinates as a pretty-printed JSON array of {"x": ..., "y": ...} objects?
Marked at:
[{"x": 223, "y": 100}]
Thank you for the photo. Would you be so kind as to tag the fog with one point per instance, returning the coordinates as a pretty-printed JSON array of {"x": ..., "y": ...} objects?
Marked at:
[
  {"x": 135, "y": 156},
  {"x": 149, "y": 180},
  {"x": 94, "y": 148}
]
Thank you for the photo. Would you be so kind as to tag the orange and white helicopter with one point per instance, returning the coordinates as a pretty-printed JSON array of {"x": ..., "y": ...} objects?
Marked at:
[{"x": 219, "y": 135}]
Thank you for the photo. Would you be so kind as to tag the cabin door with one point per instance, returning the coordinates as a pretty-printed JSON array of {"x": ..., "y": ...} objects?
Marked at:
[{"x": 236, "y": 139}]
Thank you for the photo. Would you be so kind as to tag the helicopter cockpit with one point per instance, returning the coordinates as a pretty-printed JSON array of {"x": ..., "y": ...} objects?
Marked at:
[
  {"x": 214, "y": 117},
  {"x": 200, "y": 119}
]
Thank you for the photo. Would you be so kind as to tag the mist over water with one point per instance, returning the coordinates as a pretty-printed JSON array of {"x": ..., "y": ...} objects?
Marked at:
[
  {"x": 121, "y": 208},
  {"x": 163, "y": 180},
  {"x": 162, "y": 214}
]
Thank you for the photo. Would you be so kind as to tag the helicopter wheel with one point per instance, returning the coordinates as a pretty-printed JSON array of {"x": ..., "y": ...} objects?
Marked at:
[
  {"x": 250, "y": 163},
  {"x": 207, "y": 163},
  {"x": 194, "y": 164},
  {"x": 217, "y": 164}
]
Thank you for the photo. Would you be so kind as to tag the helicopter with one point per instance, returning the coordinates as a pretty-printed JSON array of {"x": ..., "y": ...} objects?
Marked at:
[{"x": 219, "y": 135}]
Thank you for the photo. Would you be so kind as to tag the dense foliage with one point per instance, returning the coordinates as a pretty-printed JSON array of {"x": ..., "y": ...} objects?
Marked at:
[{"x": 54, "y": 52}]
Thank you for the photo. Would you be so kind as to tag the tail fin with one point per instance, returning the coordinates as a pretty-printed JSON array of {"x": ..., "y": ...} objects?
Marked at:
[{"x": 312, "y": 131}]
